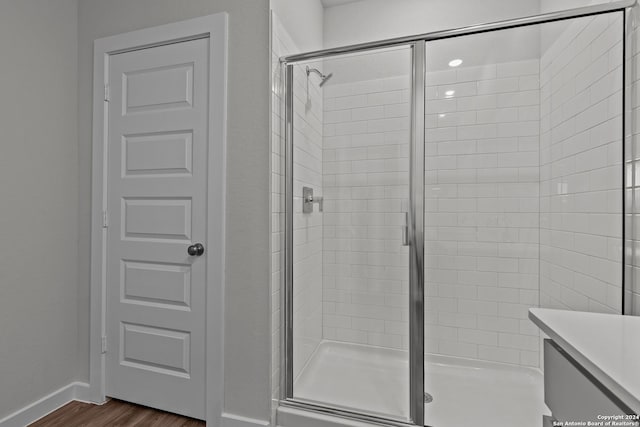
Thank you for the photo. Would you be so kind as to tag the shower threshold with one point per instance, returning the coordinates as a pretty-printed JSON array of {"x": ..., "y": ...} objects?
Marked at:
[{"x": 463, "y": 391}]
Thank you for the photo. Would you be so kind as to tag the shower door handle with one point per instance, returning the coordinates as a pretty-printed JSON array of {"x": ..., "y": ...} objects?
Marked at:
[{"x": 405, "y": 230}]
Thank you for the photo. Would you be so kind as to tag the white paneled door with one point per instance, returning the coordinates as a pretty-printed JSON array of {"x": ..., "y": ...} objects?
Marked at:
[{"x": 157, "y": 198}]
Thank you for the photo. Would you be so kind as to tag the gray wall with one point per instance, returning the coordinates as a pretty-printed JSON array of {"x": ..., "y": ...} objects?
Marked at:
[
  {"x": 303, "y": 21},
  {"x": 248, "y": 337},
  {"x": 39, "y": 200}
]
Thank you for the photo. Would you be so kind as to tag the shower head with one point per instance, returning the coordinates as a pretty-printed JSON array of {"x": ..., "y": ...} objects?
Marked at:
[{"x": 323, "y": 78}]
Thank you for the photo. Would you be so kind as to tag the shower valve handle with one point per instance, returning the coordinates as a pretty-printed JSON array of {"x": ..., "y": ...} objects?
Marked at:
[
  {"x": 308, "y": 199},
  {"x": 319, "y": 200}
]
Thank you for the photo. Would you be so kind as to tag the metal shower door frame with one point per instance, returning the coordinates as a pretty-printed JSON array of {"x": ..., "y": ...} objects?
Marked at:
[
  {"x": 416, "y": 203},
  {"x": 416, "y": 250}
]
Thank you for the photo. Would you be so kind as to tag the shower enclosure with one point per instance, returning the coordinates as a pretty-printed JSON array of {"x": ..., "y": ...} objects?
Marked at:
[{"x": 435, "y": 188}]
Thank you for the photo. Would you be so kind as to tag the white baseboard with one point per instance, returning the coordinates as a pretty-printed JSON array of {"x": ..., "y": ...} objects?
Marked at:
[
  {"x": 46, "y": 405},
  {"x": 231, "y": 420}
]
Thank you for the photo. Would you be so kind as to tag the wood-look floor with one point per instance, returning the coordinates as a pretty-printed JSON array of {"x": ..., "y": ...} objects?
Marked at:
[{"x": 114, "y": 413}]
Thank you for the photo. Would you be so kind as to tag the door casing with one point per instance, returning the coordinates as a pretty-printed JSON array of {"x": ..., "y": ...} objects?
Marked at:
[{"x": 214, "y": 27}]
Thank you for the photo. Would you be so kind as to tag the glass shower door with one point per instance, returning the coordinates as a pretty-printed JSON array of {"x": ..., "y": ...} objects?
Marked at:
[
  {"x": 523, "y": 205},
  {"x": 350, "y": 229},
  {"x": 504, "y": 152}
]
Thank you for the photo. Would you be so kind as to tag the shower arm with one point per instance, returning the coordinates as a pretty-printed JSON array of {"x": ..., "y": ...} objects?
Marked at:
[
  {"x": 314, "y": 70},
  {"x": 323, "y": 77}
]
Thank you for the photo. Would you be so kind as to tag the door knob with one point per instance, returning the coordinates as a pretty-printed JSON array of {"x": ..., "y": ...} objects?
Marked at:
[{"x": 196, "y": 249}]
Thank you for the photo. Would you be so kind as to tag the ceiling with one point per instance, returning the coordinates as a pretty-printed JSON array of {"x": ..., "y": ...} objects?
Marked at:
[{"x": 331, "y": 3}]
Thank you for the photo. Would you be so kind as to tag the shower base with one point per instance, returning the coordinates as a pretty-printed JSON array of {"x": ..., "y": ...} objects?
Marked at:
[{"x": 465, "y": 392}]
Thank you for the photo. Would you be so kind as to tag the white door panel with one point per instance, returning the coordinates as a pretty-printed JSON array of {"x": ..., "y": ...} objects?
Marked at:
[
  {"x": 140, "y": 92},
  {"x": 157, "y": 172},
  {"x": 169, "y": 154},
  {"x": 156, "y": 283}
]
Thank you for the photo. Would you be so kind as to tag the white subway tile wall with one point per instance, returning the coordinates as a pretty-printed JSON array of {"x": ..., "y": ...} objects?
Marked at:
[
  {"x": 307, "y": 236},
  {"x": 523, "y": 167},
  {"x": 366, "y": 187},
  {"x": 581, "y": 167},
  {"x": 307, "y": 227},
  {"x": 482, "y": 211}
]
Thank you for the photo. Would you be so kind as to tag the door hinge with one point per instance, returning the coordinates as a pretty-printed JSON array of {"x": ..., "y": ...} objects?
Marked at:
[
  {"x": 107, "y": 94},
  {"x": 105, "y": 219},
  {"x": 104, "y": 344}
]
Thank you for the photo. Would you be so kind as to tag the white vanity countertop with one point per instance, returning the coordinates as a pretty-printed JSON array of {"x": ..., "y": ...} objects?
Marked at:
[{"x": 607, "y": 345}]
